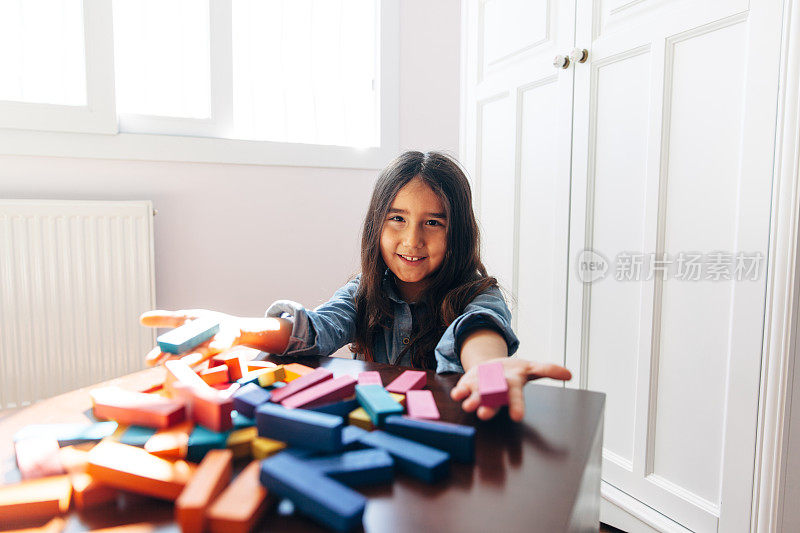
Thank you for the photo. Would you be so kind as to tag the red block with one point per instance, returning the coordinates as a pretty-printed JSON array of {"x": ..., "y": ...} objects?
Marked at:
[
  {"x": 326, "y": 392},
  {"x": 372, "y": 377},
  {"x": 492, "y": 385},
  {"x": 420, "y": 404},
  {"x": 136, "y": 408},
  {"x": 408, "y": 380},
  {"x": 317, "y": 376},
  {"x": 208, "y": 407}
]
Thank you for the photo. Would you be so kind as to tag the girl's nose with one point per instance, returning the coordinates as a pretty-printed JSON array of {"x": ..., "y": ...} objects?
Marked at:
[{"x": 412, "y": 238}]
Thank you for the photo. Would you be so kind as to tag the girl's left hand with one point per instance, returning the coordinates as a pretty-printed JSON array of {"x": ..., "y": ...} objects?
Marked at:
[{"x": 518, "y": 372}]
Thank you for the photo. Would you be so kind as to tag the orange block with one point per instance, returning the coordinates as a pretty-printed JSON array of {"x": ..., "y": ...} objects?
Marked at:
[
  {"x": 235, "y": 364},
  {"x": 131, "y": 468},
  {"x": 87, "y": 492},
  {"x": 256, "y": 365},
  {"x": 170, "y": 443},
  {"x": 38, "y": 457},
  {"x": 34, "y": 499},
  {"x": 295, "y": 370},
  {"x": 241, "y": 505},
  {"x": 74, "y": 458},
  {"x": 215, "y": 375},
  {"x": 128, "y": 407},
  {"x": 211, "y": 477}
]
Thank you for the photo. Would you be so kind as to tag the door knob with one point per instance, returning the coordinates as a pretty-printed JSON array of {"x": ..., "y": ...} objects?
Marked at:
[
  {"x": 579, "y": 55},
  {"x": 561, "y": 62}
]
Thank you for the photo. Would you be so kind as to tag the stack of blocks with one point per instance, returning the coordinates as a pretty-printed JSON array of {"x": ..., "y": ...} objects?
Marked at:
[{"x": 179, "y": 442}]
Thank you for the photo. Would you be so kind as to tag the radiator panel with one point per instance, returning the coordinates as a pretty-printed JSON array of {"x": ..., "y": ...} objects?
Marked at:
[{"x": 74, "y": 277}]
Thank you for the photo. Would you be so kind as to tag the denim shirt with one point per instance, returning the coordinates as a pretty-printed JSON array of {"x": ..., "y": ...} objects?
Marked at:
[{"x": 333, "y": 324}]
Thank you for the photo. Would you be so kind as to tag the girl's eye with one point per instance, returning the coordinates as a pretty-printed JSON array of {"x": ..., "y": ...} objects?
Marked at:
[
  {"x": 434, "y": 223},
  {"x": 398, "y": 218}
]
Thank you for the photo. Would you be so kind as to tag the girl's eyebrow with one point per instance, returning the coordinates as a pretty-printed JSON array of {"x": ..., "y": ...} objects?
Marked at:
[{"x": 405, "y": 212}]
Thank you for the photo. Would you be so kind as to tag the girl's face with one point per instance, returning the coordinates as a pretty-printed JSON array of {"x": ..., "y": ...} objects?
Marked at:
[{"x": 414, "y": 237}]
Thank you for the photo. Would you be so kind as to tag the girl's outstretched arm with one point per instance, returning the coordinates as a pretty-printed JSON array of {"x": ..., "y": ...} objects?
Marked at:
[
  {"x": 265, "y": 334},
  {"x": 487, "y": 345}
]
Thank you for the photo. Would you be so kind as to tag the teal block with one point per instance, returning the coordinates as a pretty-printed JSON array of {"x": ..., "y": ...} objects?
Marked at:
[{"x": 377, "y": 402}]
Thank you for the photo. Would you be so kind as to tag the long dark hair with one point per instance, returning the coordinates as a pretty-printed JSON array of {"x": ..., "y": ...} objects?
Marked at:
[{"x": 460, "y": 278}]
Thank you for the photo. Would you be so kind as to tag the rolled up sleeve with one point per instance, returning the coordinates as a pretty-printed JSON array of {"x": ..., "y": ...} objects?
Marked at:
[
  {"x": 488, "y": 310},
  {"x": 323, "y": 330}
]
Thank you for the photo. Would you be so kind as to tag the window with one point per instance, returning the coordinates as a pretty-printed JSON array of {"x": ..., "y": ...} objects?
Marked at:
[{"x": 303, "y": 82}]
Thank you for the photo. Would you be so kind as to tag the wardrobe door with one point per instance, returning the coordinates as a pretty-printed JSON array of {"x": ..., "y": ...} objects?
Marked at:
[
  {"x": 516, "y": 136},
  {"x": 674, "y": 120}
]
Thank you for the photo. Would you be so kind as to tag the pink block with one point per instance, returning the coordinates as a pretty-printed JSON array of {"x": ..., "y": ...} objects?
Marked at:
[
  {"x": 372, "y": 377},
  {"x": 38, "y": 457},
  {"x": 408, "y": 380},
  {"x": 322, "y": 393},
  {"x": 303, "y": 382},
  {"x": 492, "y": 385},
  {"x": 420, "y": 404}
]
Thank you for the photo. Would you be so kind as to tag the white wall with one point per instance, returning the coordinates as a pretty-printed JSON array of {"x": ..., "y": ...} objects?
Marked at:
[{"x": 236, "y": 237}]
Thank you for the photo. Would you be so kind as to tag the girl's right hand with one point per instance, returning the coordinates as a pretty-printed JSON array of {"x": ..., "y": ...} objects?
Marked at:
[{"x": 266, "y": 334}]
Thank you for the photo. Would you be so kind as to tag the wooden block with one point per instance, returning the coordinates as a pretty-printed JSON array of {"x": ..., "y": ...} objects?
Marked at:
[
  {"x": 262, "y": 447},
  {"x": 136, "y": 435},
  {"x": 300, "y": 427},
  {"x": 247, "y": 398},
  {"x": 180, "y": 372},
  {"x": 128, "y": 407},
  {"x": 171, "y": 443},
  {"x": 318, "y": 375},
  {"x": 455, "y": 439},
  {"x": 216, "y": 375},
  {"x": 188, "y": 336},
  {"x": 296, "y": 370},
  {"x": 360, "y": 418},
  {"x": 420, "y": 404},
  {"x": 202, "y": 441},
  {"x": 87, "y": 492},
  {"x": 34, "y": 499},
  {"x": 133, "y": 469},
  {"x": 492, "y": 385},
  {"x": 240, "y": 442},
  {"x": 254, "y": 376},
  {"x": 372, "y": 377},
  {"x": 377, "y": 403},
  {"x": 232, "y": 359},
  {"x": 38, "y": 457},
  {"x": 359, "y": 467},
  {"x": 415, "y": 459},
  {"x": 399, "y": 398},
  {"x": 258, "y": 365},
  {"x": 408, "y": 380},
  {"x": 343, "y": 408},
  {"x": 73, "y": 459},
  {"x": 328, "y": 391},
  {"x": 326, "y": 501},
  {"x": 209, "y": 480},
  {"x": 272, "y": 376},
  {"x": 207, "y": 406},
  {"x": 350, "y": 436},
  {"x": 241, "y": 505},
  {"x": 68, "y": 434},
  {"x": 240, "y": 421}
]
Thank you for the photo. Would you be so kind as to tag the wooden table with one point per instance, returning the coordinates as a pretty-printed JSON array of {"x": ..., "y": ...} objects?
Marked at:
[{"x": 542, "y": 474}]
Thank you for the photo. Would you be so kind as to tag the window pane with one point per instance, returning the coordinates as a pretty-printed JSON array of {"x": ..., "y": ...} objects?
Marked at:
[
  {"x": 304, "y": 71},
  {"x": 42, "y": 52},
  {"x": 162, "y": 57}
]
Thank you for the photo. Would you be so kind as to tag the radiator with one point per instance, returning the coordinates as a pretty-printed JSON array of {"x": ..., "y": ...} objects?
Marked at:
[{"x": 74, "y": 277}]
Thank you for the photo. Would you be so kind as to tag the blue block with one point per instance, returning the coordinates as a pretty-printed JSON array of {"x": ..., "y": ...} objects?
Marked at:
[
  {"x": 342, "y": 409},
  {"x": 276, "y": 385},
  {"x": 350, "y": 436},
  {"x": 248, "y": 397},
  {"x": 377, "y": 403},
  {"x": 455, "y": 439},
  {"x": 136, "y": 435},
  {"x": 300, "y": 427},
  {"x": 240, "y": 421},
  {"x": 324, "y": 500},
  {"x": 68, "y": 434},
  {"x": 202, "y": 440},
  {"x": 188, "y": 336},
  {"x": 360, "y": 467},
  {"x": 413, "y": 458}
]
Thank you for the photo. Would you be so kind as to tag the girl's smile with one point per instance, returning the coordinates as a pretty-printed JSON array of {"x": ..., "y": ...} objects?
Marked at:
[{"x": 414, "y": 237}]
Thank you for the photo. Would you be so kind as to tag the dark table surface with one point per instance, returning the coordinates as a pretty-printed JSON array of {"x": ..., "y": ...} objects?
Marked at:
[{"x": 528, "y": 476}]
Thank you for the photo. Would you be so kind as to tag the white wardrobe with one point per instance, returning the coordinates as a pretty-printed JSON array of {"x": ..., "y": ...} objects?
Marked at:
[{"x": 622, "y": 154}]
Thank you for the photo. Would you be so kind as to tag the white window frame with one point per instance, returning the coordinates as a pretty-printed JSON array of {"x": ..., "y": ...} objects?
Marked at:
[{"x": 92, "y": 131}]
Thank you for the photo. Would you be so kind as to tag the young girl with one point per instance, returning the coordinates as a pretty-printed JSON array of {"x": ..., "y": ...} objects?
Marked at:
[{"x": 423, "y": 297}]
